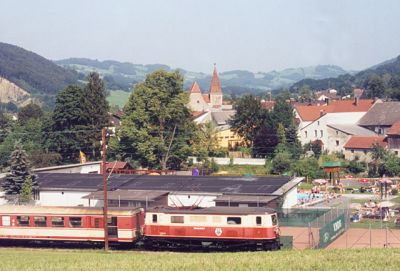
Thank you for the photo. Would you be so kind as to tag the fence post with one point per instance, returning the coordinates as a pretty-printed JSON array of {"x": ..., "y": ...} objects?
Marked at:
[
  {"x": 386, "y": 237},
  {"x": 309, "y": 235}
]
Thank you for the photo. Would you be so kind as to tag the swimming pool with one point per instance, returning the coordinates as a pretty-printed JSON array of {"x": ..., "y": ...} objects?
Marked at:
[{"x": 307, "y": 197}]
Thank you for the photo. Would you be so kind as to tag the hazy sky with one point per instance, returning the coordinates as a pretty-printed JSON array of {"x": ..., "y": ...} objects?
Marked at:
[{"x": 193, "y": 34}]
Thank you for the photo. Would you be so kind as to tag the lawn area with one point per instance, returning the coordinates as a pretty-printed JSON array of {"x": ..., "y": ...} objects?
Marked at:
[
  {"x": 242, "y": 170},
  {"x": 352, "y": 259},
  {"x": 118, "y": 97}
]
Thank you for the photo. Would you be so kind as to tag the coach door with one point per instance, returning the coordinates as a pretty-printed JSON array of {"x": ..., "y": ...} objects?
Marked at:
[{"x": 112, "y": 227}]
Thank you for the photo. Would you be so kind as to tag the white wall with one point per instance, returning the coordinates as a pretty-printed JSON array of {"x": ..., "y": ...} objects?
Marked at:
[
  {"x": 307, "y": 134},
  {"x": 62, "y": 198},
  {"x": 178, "y": 200},
  {"x": 290, "y": 199},
  {"x": 236, "y": 161}
]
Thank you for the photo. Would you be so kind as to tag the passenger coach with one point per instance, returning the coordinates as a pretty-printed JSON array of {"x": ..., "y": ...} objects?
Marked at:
[
  {"x": 216, "y": 227},
  {"x": 69, "y": 224}
]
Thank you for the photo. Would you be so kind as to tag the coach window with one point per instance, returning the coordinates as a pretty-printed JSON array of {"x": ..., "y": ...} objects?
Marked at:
[
  {"x": 234, "y": 220},
  {"x": 57, "y": 221},
  {"x": 23, "y": 220},
  {"x": 75, "y": 222},
  {"x": 177, "y": 219},
  {"x": 258, "y": 220},
  {"x": 97, "y": 223},
  {"x": 39, "y": 221},
  {"x": 154, "y": 218}
]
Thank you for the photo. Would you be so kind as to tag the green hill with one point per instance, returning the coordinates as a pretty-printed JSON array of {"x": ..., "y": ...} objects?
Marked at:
[
  {"x": 382, "y": 80},
  {"x": 33, "y": 72}
]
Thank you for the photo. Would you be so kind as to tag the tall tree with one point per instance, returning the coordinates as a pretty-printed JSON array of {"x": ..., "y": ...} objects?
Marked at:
[
  {"x": 249, "y": 118},
  {"x": 95, "y": 110},
  {"x": 20, "y": 170},
  {"x": 375, "y": 86},
  {"x": 66, "y": 130},
  {"x": 157, "y": 121},
  {"x": 28, "y": 112}
]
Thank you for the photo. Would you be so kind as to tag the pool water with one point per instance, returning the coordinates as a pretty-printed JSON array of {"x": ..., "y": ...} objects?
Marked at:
[{"x": 306, "y": 197}]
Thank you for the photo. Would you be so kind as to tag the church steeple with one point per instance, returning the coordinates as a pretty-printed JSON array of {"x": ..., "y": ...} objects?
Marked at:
[
  {"x": 215, "y": 83},
  {"x": 195, "y": 88}
]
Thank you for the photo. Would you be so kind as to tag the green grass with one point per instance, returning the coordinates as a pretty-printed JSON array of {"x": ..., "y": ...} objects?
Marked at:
[
  {"x": 118, "y": 97},
  {"x": 365, "y": 223},
  {"x": 351, "y": 259},
  {"x": 243, "y": 169}
]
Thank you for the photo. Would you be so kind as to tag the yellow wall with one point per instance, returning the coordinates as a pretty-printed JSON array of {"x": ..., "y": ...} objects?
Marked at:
[{"x": 228, "y": 139}]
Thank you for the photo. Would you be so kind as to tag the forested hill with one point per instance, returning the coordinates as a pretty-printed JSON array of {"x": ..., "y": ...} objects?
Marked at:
[
  {"x": 122, "y": 75},
  {"x": 33, "y": 72},
  {"x": 382, "y": 80}
]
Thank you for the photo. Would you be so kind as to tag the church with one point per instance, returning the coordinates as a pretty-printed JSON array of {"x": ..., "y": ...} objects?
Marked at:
[{"x": 211, "y": 101}]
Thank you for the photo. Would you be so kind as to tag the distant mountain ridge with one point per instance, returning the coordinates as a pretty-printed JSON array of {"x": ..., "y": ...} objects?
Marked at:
[{"x": 122, "y": 75}]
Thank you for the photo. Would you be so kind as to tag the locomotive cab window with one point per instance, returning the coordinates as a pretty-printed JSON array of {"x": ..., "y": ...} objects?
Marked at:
[
  {"x": 57, "y": 221},
  {"x": 23, "y": 220},
  {"x": 258, "y": 220},
  {"x": 232, "y": 220},
  {"x": 75, "y": 222},
  {"x": 274, "y": 220},
  {"x": 177, "y": 219},
  {"x": 39, "y": 221},
  {"x": 5, "y": 220},
  {"x": 154, "y": 218}
]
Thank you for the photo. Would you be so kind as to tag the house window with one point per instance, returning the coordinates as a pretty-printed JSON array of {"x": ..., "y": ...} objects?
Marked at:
[
  {"x": 337, "y": 132},
  {"x": 154, "y": 219},
  {"x": 317, "y": 122},
  {"x": 234, "y": 220},
  {"x": 40, "y": 221},
  {"x": 57, "y": 221},
  {"x": 177, "y": 219},
  {"x": 305, "y": 134},
  {"x": 396, "y": 152},
  {"x": 365, "y": 151},
  {"x": 258, "y": 220},
  {"x": 352, "y": 151},
  {"x": 315, "y": 133},
  {"x": 23, "y": 220},
  {"x": 337, "y": 142},
  {"x": 75, "y": 222},
  {"x": 322, "y": 133}
]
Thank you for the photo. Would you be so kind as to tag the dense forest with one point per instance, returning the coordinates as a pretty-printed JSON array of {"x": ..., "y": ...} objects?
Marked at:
[{"x": 33, "y": 72}]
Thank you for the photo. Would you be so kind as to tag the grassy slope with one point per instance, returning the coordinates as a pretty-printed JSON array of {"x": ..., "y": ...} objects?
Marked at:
[
  {"x": 366, "y": 259},
  {"x": 118, "y": 97}
]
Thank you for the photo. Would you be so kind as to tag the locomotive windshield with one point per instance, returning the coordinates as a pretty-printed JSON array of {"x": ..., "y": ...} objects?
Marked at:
[{"x": 274, "y": 220}]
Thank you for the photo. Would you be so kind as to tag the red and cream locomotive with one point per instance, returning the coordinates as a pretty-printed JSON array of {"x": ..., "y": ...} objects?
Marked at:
[{"x": 209, "y": 228}]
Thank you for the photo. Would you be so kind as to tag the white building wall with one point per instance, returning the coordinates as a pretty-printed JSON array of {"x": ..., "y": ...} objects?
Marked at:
[
  {"x": 62, "y": 198},
  {"x": 318, "y": 130},
  {"x": 179, "y": 200},
  {"x": 336, "y": 136},
  {"x": 290, "y": 198},
  {"x": 197, "y": 103}
]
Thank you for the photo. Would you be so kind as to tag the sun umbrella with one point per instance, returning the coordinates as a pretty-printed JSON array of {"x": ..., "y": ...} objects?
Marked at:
[
  {"x": 348, "y": 176},
  {"x": 363, "y": 180},
  {"x": 385, "y": 181},
  {"x": 386, "y": 204},
  {"x": 355, "y": 206}
]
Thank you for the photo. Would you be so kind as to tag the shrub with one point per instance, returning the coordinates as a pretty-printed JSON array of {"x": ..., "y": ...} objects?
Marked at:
[{"x": 395, "y": 191}]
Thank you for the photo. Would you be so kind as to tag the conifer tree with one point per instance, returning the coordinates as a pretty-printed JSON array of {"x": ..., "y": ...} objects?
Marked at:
[
  {"x": 20, "y": 170},
  {"x": 26, "y": 190}
]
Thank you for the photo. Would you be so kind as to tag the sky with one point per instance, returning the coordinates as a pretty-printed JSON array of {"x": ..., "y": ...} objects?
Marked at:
[{"x": 254, "y": 35}]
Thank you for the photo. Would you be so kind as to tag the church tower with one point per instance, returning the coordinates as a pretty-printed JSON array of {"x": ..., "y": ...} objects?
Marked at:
[{"x": 215, "y": 91}]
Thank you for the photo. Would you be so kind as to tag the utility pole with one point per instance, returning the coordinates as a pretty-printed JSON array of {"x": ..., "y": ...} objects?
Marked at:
[{"x": 105, "y": 207}]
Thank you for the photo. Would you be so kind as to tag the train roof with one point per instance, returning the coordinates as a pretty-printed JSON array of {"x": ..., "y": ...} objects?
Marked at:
[
  {"x": 46, "y": 210},
  {"x": 214, "y": 210}
]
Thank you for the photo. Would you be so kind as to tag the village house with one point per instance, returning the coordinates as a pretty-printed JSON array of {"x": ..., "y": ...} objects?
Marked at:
[
  {"x": 325, "y": 123},
  {"x": 381, "y": 117},
  {"x": 360, "y": 147}
]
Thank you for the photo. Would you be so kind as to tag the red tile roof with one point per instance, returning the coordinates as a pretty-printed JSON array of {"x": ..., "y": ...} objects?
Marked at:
[
  {"x": 195, "y": 114},
  {"x": 269, "y": 105},
  {"x": 313, "y": 112},
  {"x": 364, "y": 142},
  {"x": 206, "y": 98},
  {"x": 395, "y": 129},
  {"x": 195, "y": 88},
  {"x": 215, "y": 83}
]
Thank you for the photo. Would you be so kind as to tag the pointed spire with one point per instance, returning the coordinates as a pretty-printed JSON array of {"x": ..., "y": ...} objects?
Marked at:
[
  {"x": 215, "y": 83},
  {"x": 195, "y": 88}
]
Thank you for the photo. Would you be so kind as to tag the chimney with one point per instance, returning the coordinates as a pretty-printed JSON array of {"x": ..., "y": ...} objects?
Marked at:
[
  {"x": 321, "y": 112},
  {"x": 327, "y": 100}
]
